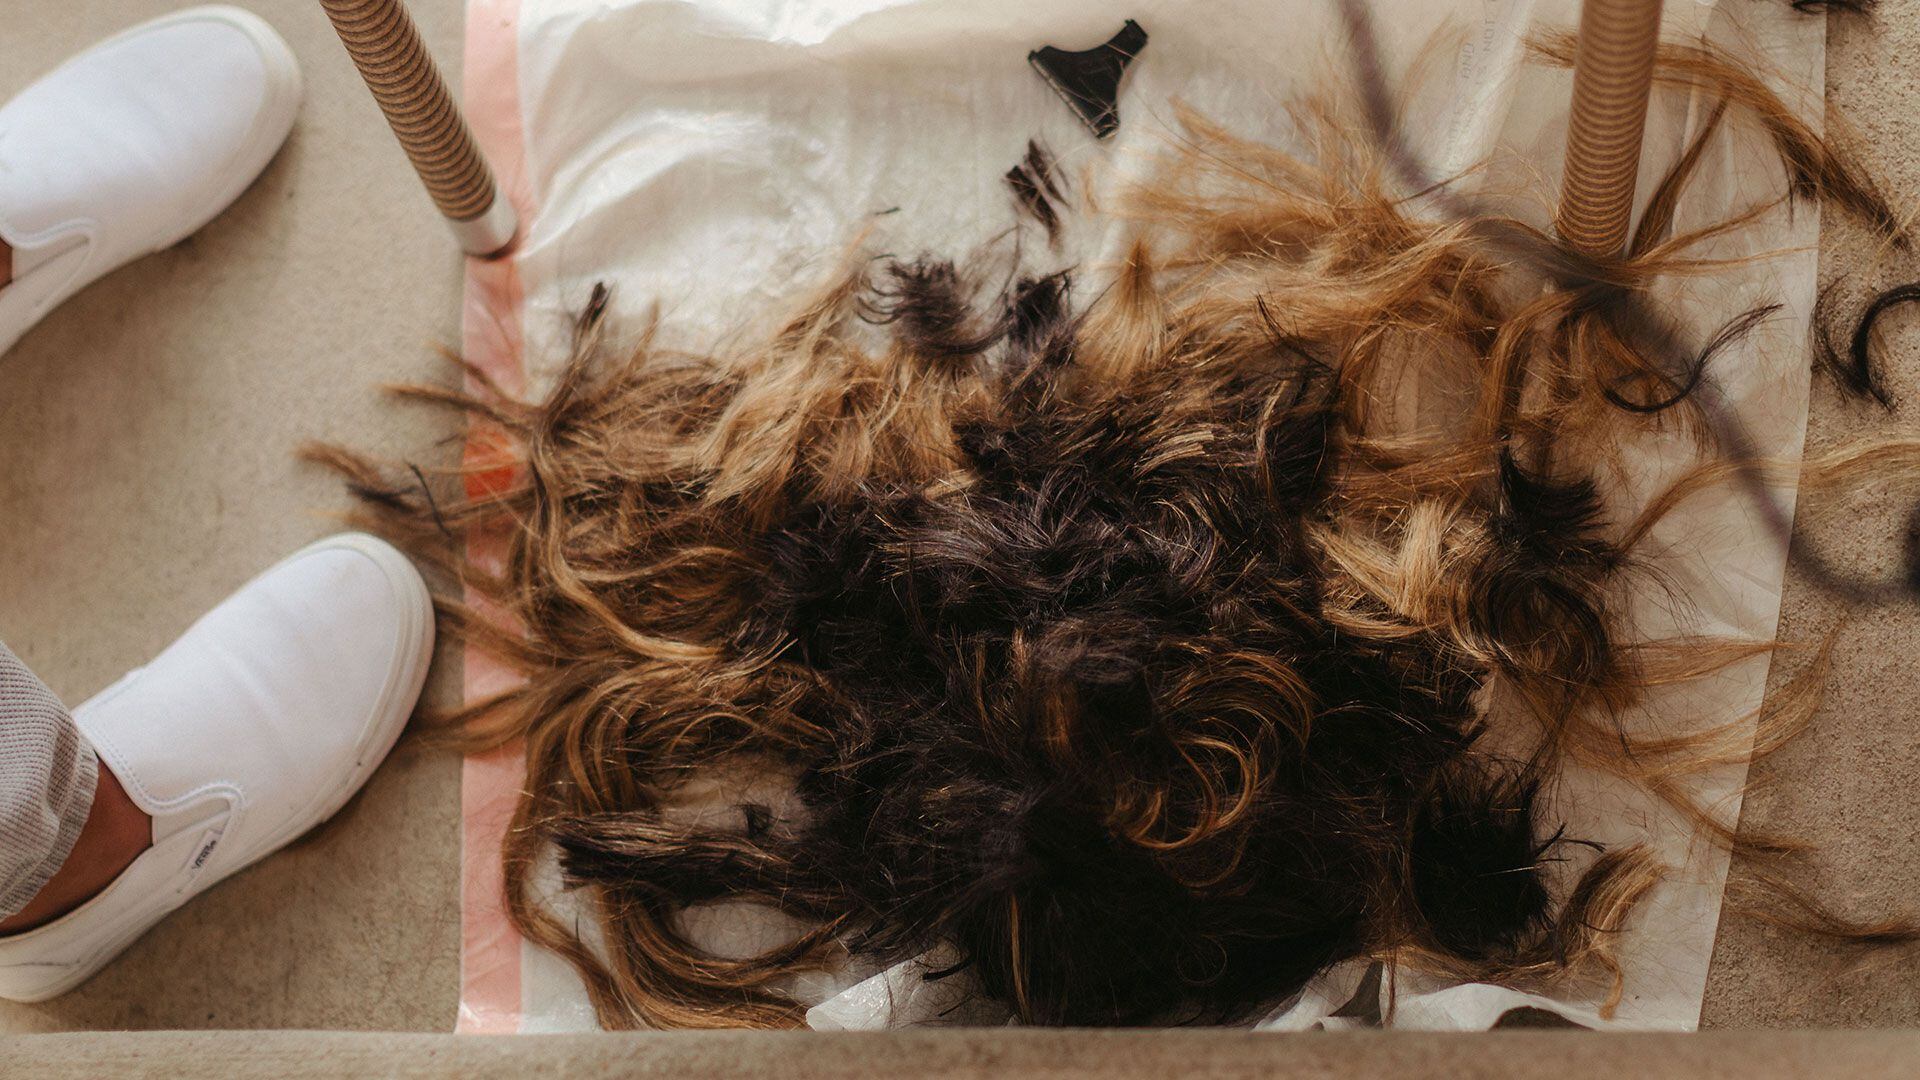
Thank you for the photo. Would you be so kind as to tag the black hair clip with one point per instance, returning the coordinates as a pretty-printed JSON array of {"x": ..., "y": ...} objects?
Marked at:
[{"x": 1089, "y": 80}]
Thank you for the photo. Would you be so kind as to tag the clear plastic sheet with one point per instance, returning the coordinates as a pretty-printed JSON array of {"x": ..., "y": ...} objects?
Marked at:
[{"x": 716, "y": 156}]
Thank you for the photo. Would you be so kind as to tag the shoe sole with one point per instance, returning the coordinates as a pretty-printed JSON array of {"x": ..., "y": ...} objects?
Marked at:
[{"x": 406, "y": 679}]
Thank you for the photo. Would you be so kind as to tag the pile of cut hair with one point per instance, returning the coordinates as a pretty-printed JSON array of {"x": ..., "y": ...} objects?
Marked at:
[{"x": 1144, "y": 653}]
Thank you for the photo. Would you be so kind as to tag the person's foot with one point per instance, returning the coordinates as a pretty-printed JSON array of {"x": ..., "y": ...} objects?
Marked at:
[
  {"x": 116, "y": 832},
  {"x": 132, "y": 146},
  {"x": 258, "y": 724}
]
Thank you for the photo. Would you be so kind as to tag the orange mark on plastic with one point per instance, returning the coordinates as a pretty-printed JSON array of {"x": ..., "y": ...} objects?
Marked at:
[{"x": 492, "y": 461}]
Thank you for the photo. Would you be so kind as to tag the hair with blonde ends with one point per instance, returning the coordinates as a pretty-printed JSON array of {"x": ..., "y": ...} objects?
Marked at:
[{"x": 1138, "y": 650}]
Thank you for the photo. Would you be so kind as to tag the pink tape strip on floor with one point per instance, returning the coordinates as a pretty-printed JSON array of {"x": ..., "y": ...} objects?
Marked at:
[{"x": 491, "y": 340}]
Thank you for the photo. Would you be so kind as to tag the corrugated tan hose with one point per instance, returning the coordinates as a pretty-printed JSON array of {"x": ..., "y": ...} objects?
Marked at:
[
  {"x": 1612, "y": 78},
  {"x": 386, "y": 47}
]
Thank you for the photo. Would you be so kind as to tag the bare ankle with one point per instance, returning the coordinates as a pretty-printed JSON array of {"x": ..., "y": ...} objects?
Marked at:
[{"x": 117, "y": 831}]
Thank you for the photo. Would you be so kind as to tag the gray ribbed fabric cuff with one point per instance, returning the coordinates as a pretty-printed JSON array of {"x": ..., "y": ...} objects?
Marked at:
[{"x": 47, "y": 776}]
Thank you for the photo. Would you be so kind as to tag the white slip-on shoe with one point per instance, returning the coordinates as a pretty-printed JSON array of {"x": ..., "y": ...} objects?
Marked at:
[
  {"x": 132, "y": 146},
  {"x": 257, "y": 725}
]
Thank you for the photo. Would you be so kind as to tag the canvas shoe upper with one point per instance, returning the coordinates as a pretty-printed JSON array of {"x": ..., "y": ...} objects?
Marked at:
[
  {"x": 133, "y": 145},
  {"x": 259, "y": 723}
]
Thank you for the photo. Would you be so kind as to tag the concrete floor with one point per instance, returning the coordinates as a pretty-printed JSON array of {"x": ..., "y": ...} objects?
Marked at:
[
  {"x": 1849, "y": 785},
  {"x": 146, "y": 432},
  {"x": 972, "y": 1054}
]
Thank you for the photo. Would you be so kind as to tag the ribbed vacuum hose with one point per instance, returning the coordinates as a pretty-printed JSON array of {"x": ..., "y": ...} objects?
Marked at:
[
  {"x": 386, "y": 47},
  {"x": 1612, "y": 79}
]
